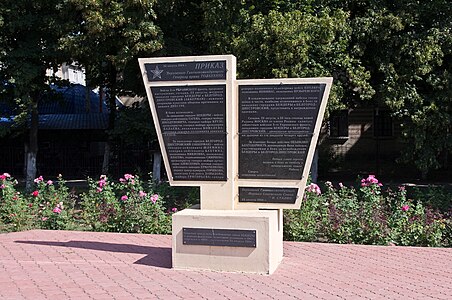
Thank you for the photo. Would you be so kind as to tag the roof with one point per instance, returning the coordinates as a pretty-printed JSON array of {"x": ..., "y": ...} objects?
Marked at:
[
  {"x": 72, "y": 111},
  {"x": 73, "y": 121},
  {"x": 73, "y": 101}
]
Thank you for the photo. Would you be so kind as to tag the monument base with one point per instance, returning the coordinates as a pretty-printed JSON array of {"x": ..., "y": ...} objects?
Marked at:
[{"x": 228, "y": 240}]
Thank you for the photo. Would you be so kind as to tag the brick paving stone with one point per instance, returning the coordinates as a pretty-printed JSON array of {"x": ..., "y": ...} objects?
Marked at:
[{"x": 41, "y": 264}]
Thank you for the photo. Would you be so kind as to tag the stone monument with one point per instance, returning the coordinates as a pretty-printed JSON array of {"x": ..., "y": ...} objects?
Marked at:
[{"x": 248, "y": 145}]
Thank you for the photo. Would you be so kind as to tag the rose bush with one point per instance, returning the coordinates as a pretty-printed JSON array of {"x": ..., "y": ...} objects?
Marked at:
[
  {"x": 366, "y": 215},
  {"x": 14, "y": 209},
  {"x": 369, "y": 214},
  {"x": 124, "y": 206}
]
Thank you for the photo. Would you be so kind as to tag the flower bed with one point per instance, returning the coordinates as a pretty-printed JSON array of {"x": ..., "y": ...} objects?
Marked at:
[
  {"x": 367, "y": 215},
  {"x": 123, "y": 206},
  {"x": 370, "y": 214}
]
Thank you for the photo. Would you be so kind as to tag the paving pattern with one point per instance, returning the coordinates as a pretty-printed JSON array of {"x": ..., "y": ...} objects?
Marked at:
[{"x": 41, "y": 264}]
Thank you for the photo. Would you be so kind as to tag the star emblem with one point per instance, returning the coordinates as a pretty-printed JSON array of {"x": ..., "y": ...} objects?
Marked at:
[{"x": 157, "y": 73}]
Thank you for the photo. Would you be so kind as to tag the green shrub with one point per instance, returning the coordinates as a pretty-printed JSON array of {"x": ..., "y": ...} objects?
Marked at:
[
  {"x": 15, "y": 213},
  {"x": 367, "y": 215},
  {"x": 125, "y": 206},
  {"x": 438, "y": 198},
  {"x": 52, "y": 204},
  {"x": 305, "y": 224},
  {"x": 364, "y": 215},
  {"x": 176, "y": 196}
]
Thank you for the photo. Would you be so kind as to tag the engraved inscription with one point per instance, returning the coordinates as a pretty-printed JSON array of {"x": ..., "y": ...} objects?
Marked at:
[
  {"x": 268, "y": 195},
  {"x": 179, "y": 71},
  {"x": 193, "y": 124},
  {"x": 276, "y": 123},
  {"x": 219, "y": 237}
]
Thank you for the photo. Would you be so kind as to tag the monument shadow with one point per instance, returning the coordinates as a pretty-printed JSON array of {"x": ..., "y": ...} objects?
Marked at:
[{"x": 155, "y": 256}]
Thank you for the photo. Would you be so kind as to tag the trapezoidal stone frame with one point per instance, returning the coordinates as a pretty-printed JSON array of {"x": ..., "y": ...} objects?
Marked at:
[
  {"x": 291, "y": 187},
  {"x": 169, "y": 75}
]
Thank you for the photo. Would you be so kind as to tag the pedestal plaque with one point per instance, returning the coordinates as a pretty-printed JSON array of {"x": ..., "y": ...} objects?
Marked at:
[
  {"x": 268, "y": 195},
  {"x": 219, "y": 237}
]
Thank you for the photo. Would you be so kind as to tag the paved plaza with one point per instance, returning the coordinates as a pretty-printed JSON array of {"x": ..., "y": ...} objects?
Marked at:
[{"x": 41, "y": 264}]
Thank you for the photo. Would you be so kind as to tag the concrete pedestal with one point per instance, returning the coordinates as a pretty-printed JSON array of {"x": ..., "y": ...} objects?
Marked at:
[{"x": 263, "y": 257}]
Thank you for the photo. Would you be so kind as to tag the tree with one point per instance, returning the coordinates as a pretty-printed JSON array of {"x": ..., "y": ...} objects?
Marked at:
[
  {"x": 29, "y": 46},
  {"x": 109, "y": 35},
  {"x": 385, "y": 53},
  {"x": 407, "y": 47},
  {"x": 278, "y": 39}
]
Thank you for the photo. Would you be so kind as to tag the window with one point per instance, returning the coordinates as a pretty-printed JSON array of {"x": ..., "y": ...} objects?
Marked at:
[
  {"x": 382, "y": 123},
  {"x": 339, "y": 123}
]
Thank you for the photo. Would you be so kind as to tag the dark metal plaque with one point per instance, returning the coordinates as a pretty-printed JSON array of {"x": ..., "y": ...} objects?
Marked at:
[
  {"x": 268, "y": 195},
  {"x": 219, "y": 237},
  {"x": 193, "y": 124},
  {"x": 276, "y": 123},
  {"x": 180, "y": 71}
]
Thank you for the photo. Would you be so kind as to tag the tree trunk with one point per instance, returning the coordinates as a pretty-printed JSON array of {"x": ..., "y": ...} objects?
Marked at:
[
  {"x": 87, "y": 97},
  {"x": 32, "y": 149},
  {"x": 157, "y": 166},
  {"x": 111, "y": 98},
  {"x": 315, "y": 166},
  {"x": 106, "y": 161}
]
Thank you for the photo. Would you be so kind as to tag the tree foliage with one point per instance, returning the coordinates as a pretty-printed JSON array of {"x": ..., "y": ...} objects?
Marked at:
[
  {"x": 29, "y": 46},
  {"x": 407, "y": 47},
  {"x": 394, "y": 54},
  {"x": 107, "y": 36},
  {"x": 29, "y": 35},
  {"x": 280, "y": 39},
  {"x": 380, "y": 53}
]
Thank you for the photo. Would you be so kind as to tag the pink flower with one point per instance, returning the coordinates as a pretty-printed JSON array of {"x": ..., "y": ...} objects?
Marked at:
[
  {"x": 142, "y": 194},
  {"x": 39, "y": 179},
  {"x": 124, "y": 197},
  {"x": 401, "y": 188},
  {"x": 313, "y": 188},
  {"x": 341, "y": 185},
  {"x": 4, "y": 176},
  {"x": 49, "y": 182},
  {"x": 154, "y": 198},
  {"x": 99, "y": 189},
  {"x": 369, "y": 181},
  {"x": 57, "y": 210},
  {"x": 35, "y": 193},
  {"x": 174, "y": 209},
  {"x": 128, "y": 176},
  {"x": 2, "y": 186},
  {"x": 44, "y": 219},
  {"x": 102, "y": 183},
  {"x": 122, "y": 180},
  {"x": 405, "y": 207},
  {"x": 30, "y": 204}
]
